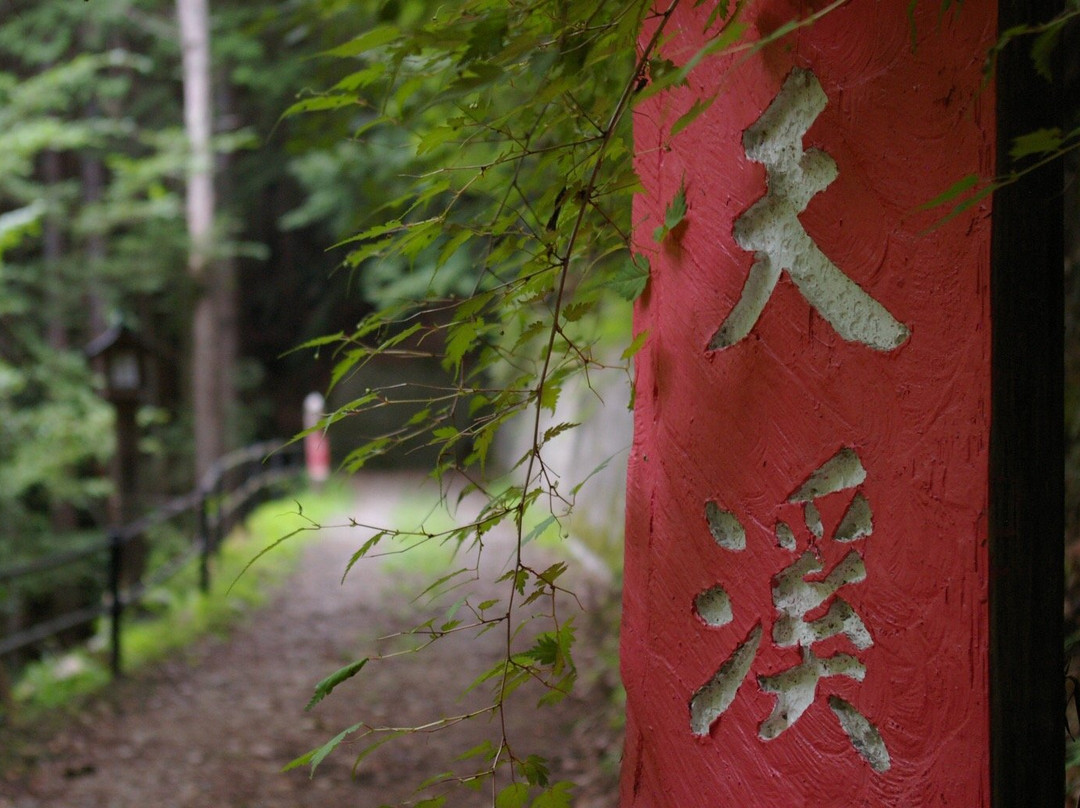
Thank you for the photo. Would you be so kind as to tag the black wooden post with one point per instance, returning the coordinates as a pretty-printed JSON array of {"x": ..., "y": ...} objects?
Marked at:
[
  {"x": 1026, "y": 443},
  {"x": 122, "y": 356},
  {"x": 219, "y": 512},
  {"x": 204, "y": 541},
  {"x": 116, "y": 607}
]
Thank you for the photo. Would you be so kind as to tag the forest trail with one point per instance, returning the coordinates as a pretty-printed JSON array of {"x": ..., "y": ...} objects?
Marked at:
[{"x": 213, "y": 726}]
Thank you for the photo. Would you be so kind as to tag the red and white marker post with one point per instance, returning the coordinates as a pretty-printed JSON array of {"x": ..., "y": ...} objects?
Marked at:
[{"x": 316, "y": 444}]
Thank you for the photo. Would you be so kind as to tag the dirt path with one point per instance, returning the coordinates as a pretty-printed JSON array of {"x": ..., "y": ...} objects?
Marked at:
[{"x": 213, "y": 727}]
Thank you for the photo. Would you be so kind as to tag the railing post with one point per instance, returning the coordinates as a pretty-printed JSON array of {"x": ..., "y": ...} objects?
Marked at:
[
  {"x": 204, "y": 542},
  {"x": 116, "y": 607},
  {"x": 219, "y": 513},
  {"x": 254, "y": 471}
]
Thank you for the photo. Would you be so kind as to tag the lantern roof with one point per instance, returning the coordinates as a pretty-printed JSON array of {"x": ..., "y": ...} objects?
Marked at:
[{"x": 116, "y": 337}]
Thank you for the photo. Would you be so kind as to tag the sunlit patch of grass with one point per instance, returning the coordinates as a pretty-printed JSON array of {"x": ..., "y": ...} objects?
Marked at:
[
  {"x": 424, "y": 545},
  {"x": 54, "y": 680}
]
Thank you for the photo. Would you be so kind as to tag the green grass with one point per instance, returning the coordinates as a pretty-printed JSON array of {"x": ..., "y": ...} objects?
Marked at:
[
  {"x": 244, "y": 575},
  {"x": 249, "y": 569},
  {"x": 418, "y": 555},
  {"x": 423, "y": 512}
]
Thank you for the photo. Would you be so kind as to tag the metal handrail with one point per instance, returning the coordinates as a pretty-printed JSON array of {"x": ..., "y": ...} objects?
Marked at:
[
  {"x": 52, "y": 562},
  {"x": 42, "y": 631},
  {"x": 214, "y": 507}
]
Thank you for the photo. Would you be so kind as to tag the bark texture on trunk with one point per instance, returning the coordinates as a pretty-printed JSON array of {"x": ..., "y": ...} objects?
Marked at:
[{"x": 205, "y": 360}]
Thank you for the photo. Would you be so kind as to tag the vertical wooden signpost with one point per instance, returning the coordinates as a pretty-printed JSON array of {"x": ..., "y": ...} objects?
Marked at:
[{"x": 807, "y": 614}]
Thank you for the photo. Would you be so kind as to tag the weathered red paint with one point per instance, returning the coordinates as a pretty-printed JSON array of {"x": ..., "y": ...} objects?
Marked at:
[{"x": 746, "y": 425}]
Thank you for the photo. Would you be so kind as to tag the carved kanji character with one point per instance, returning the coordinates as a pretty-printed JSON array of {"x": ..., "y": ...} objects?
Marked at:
[
  {"x": 771, "y": 229},
  {"x": 796, "y": 593}
]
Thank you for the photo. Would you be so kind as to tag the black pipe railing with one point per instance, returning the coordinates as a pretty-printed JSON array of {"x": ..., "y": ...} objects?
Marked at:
[{"x": 222, "y": 500}]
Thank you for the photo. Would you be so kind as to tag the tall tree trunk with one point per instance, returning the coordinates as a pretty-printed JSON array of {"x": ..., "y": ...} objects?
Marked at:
[
  {"x": 193, "y": 16},
  {"x": 225, "y": 290},
  {"x": 93, "y": 183},
  {"x": 62, "y": 515},
  {"x": 92, "y": 175}
]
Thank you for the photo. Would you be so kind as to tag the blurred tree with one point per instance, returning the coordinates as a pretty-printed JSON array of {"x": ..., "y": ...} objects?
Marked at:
[
  {"x": 209, "y": 364},
  {"x": 53, "y": 136},
  {"x": 93, "y": 161}
]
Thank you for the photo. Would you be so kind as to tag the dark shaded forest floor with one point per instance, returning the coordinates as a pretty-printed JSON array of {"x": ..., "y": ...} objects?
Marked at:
[{"x": 214, "y": 725}]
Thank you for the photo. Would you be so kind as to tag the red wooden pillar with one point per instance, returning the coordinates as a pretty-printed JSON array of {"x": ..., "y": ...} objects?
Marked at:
[{"x": 806, "y": 616}]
